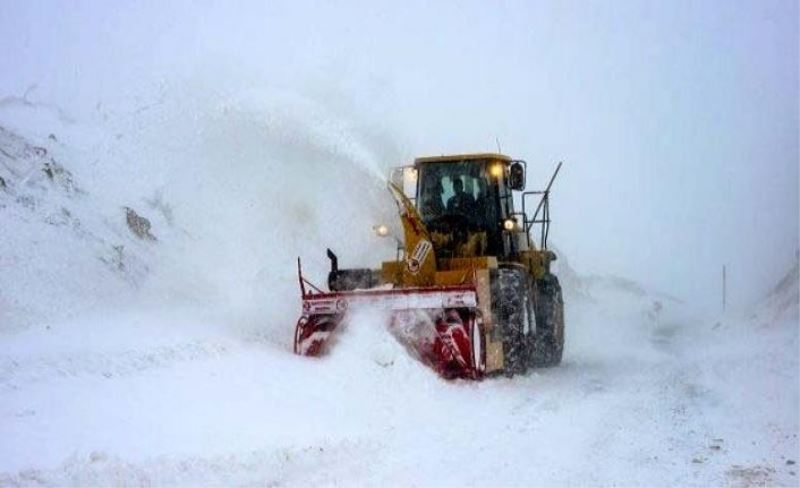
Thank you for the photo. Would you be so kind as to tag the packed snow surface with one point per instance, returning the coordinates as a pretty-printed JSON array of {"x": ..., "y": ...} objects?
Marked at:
[{"x": 130, "y": 360}]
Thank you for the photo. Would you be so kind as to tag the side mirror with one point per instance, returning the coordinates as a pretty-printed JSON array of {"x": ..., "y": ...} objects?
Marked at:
[{"x": 516, "y": 177}]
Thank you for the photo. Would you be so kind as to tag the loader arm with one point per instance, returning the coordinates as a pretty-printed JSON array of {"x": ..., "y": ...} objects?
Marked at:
[{"x": 419, "y": 268}]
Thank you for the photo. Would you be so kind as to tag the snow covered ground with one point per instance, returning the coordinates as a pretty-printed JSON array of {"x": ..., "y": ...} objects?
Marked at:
[{"x": 131, "y": 361}]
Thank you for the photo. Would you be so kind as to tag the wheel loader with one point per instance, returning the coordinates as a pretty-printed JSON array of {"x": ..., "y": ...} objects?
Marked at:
[{"x": 470, "y": 292}]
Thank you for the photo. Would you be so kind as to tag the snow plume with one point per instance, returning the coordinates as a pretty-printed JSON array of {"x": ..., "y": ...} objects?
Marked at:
[
  {"x": 253, "y": 182},
  {"x": 235, "y": 187}
]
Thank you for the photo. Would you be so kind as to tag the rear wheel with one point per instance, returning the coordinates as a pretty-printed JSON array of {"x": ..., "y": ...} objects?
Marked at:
[{"x": 548, "y": 343}]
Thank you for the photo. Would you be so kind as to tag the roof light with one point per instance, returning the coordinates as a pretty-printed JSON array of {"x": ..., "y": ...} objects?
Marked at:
[{"x": 496, "y": 170}]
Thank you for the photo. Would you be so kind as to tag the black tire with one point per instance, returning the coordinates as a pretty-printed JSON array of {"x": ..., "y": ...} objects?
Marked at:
[
  {"x": 511, "y": 311},
  {"x": 548, "y": 343}
]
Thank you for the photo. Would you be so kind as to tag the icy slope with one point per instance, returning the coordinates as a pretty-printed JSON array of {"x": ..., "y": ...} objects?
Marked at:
[
  {"x": 182, "y": 373},
  {"x": 780, "y": 304},
  {"x": 63, "y": 251}
]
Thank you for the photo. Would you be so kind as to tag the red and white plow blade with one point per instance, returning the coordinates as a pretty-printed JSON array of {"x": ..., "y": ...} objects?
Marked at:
[{"x": 440, "y": 324}]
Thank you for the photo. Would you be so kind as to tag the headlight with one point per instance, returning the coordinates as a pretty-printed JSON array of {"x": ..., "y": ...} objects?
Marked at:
[
  {"x": 509, "y": 224},
  {"x": 381, "y": 230},
  {"x": 496, "y": 170}
]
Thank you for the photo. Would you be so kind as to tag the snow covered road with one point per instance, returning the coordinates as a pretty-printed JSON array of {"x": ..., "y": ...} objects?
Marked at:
[{"x": 175, "y": 398}]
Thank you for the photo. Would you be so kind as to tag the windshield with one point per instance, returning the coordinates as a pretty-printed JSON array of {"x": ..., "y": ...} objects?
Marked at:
[{"x": 455, "y": 189}]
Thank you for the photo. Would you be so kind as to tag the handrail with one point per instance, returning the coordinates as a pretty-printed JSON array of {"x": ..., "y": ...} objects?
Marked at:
[{"x": 543, "y": 207}]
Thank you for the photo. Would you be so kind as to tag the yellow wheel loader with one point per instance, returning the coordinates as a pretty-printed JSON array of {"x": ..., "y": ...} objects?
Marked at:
[{"x": 470, "y": 291}]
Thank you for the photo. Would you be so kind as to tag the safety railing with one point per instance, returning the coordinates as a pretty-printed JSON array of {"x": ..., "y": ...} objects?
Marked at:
[{"x": 541, "y": 216}]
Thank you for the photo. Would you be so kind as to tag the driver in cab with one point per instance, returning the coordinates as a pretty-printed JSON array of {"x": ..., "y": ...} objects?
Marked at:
[{"x": 461, "y": 202}]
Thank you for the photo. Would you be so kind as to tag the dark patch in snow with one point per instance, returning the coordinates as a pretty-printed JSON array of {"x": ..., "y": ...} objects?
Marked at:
[
  {"x": 757, "y": 475},
  {"x": 60, "y": 176},
  {"x": 140, "y": 226}
]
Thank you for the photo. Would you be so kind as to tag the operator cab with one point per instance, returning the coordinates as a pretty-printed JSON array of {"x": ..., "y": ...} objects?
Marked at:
[{"x": 466, "y": 202}]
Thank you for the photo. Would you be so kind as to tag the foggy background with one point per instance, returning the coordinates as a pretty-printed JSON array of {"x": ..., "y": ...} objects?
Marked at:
[{"x": 677, "y": 121}]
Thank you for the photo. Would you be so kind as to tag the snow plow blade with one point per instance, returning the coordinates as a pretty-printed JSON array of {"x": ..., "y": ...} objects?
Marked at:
[{"x": 439, "y": 324}]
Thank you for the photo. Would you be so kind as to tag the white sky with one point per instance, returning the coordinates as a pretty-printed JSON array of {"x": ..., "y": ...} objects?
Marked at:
[{"x": 677, "y": 121}]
